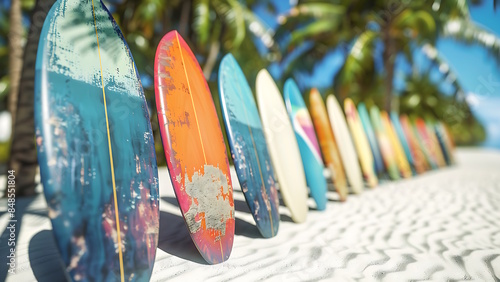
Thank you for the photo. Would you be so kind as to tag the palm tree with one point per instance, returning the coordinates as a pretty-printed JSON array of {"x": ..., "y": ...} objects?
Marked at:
[
  {"x": 423, "y": 98},
  {"x": 394, "y": 27},
  {"x": 23, "y": 150},
  {"x": 15, "y": 53}
]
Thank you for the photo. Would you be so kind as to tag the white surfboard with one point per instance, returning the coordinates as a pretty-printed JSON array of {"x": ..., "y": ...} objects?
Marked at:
[
  {"x": 282, "y": 146},
  {"x": 346, "y": 146}
]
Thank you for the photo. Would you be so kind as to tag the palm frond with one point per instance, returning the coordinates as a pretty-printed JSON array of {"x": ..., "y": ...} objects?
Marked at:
[
  {"x": 467, "y": 32},
  {"x": 201, "y": 20}
]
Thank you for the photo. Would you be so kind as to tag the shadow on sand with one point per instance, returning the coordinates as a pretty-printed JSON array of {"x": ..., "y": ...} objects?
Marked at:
[{"x": 45, "y": 260}]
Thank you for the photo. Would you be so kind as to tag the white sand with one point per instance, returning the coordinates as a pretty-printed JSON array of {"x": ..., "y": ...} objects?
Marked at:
[{"x": 439, "y": 226}]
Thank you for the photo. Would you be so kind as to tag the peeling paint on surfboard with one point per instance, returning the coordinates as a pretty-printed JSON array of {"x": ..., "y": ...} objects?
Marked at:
[
  {"x": 92, "y": 124},
  {"x": 194, "y": 148},
  {"x": 248, "y": 146},
  {"x": 308, "y": 143}
]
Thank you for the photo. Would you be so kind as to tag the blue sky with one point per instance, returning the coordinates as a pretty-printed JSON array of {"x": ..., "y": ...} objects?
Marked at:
[{"x": 477, "y": 72}]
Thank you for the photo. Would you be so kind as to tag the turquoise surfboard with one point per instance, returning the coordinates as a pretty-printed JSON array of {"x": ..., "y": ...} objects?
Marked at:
[
  {"x": 372, "y": 139},
  {"x": 95, "y": 146},
  {"x": 308, "y": 143},
  {"x": 248, "y": 146}
]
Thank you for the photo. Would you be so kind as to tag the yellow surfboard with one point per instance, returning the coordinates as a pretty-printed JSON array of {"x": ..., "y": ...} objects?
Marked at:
[
  {"x": 401, "y": 160},
  {"x": 360, "y": 142}
]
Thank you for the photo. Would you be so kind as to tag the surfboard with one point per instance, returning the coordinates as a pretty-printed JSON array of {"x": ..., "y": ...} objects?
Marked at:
[
  {"x": 347, "y": 151},
  {"x": 442, "y": 143},
  {"x": 248, "y": 146},
  {"x": 372, "y": 139},
  {"x": 327, "y": 142},
  {"x": 95, "y": 146},
  {"x": 282, "y": 146},
  {"x": 384, "y": 144},
  {"x": 308, "y": 143},
  {"x": 361, "y": 143},
  {"x": 435, "y": 143},
  {"x": 419, "y": 159},
  {"x": 444, "y": 133},
  {"x": 401, "y": 161},
  {"x": 194, "y": 148},
  {"x": 426, "y": 142},
  {"x": 402, "y": 139}
]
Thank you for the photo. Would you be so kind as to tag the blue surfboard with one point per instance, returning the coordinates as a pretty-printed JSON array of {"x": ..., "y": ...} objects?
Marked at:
[
  {"x": 248, "y": 146},
  {"x": 441, "y": 136},
  {"x": 402, "y": 138},
  {"x": 370, "y": 134},
  {"x": 95, "y": 146},
  {"x": 308, "y": 143}
]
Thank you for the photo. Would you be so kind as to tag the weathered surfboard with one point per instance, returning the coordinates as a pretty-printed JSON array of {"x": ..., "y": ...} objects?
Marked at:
[
  {"x": 327, "y": 142},
  {"x": 384, "y": 143},
  {"x": 248, "y": 146},
  {"x": 308, "y": 143},
  {"x": 95, "y": 146},
  {"x": 401, "y": 160},
  {"x": 372, "y": 139},
  {"x": 282, "y": 146},
  {"x": 361, "y": 142},
  {"x": 194, "y": 148}
]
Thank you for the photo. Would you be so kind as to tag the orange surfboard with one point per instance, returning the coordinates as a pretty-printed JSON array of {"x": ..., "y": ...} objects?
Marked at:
[
  {"x": 329, "y": 149},
  {"x": 194, "y": 148}
]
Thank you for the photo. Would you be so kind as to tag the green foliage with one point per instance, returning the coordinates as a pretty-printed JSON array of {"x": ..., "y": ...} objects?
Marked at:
[
  {"x": 423, "y": 98},
  {"x": 387, "y": 29},
  {"x": 211, "y": 28},
  {"x": 365, "y": 30},
  {"x": 4, "y": 152}
]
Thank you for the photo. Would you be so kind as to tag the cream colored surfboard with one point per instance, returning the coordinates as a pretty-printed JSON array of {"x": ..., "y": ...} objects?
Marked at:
[
  {"x": 346, "y": 146},
  {"x": 282, "y": 146}
]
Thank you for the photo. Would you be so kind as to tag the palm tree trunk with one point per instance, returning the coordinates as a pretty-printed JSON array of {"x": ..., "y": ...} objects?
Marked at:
[
  {"x": 389, "y": 56},
  {"x": 23, "y": 150},
  {"x": 211, "y": 59},
  {"x": 15, "y": 53},
  {"x": 184, "y": 21}
]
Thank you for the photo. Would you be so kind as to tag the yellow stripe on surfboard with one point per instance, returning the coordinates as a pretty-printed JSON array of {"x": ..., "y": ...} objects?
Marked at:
[
  {"x": 195, "y": 116},
  {"x": 117, "y": 218}
]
